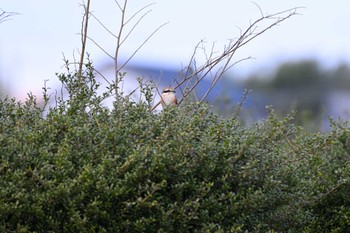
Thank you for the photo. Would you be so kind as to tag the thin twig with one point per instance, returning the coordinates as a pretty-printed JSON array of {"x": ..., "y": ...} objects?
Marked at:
[
  {"x": 5, "y": 16},
  {"x": 102, "y": 76},
  {"x": 228, "y": 53},
  {"x": 102, "y": 24},
  {"x": 118, "y": 5},
  {"x": 132, "y": 29},
  {"x": 84, "y": 30},
  {"x": 137, "y": 12},
  {"x": 100, "y": 47},
  {"x": 240, "y": 103},
  {"x": 138, "y": 49},
  {"x": 116, "y": 54}
]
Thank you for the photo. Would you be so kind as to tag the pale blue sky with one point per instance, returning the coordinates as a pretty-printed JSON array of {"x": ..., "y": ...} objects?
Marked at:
[{"x": 31, "y": 44}]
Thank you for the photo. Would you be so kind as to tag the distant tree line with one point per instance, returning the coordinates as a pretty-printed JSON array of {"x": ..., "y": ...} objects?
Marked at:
[{"x": 301, "y": 86}]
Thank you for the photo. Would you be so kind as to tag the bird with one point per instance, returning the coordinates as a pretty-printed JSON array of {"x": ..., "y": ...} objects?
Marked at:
[{"x": 168, "y": 97}]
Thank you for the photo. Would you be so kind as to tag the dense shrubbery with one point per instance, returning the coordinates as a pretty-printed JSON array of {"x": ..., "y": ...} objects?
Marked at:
[{"x": 84, "y": 168}]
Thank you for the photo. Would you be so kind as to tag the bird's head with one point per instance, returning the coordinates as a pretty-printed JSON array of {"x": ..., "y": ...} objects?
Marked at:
[{"x": 168, "y": 90}]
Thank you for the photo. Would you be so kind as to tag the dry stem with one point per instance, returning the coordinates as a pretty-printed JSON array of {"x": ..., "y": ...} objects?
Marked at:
[
  {"x": 84, "y": 30},
  {"x": 5, "y": 16},
  {"x": 216, "y": 66}
]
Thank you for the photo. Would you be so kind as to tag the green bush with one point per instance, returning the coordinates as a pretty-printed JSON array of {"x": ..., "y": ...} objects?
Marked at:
[{"x": 81, "y": 167}]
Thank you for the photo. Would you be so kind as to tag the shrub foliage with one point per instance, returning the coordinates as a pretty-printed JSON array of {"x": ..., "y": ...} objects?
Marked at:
[{"x": 82, "y": 167}]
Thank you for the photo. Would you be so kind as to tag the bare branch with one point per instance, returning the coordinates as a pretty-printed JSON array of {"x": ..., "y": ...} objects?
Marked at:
[
  {"x": 240, "y": 104},
  {"x": 100, "y": 47},
  {"x": 116, "y": 54},
  {"x": 192, "y": 59},
  {"x": 121, "y": 37},
  {"x": 132, "y": 29},
  {"x": 84, "y": 30},
  {"x": 155, "y": 106},
  {"x": 261, "y": 12},
  {"x": 137, "y": 12},
  {"x": 120, "y": 41},
  {"x": 5, "y": 16},
  {"x": 225, "y": 58},
  {"x": 102, "y": 24},
  {"x": 102, "y": 76},
  {"x": 120, "y": 8},
  {"x": 143, "y": 43}
]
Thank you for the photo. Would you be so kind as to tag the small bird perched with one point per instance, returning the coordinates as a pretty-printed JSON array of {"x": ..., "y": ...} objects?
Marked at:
[{"x": 168, "y": 97}]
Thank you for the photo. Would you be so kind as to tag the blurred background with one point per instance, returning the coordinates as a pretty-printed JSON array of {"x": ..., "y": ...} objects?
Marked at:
[{"x": 302, "y": 64}]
